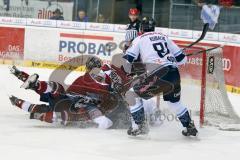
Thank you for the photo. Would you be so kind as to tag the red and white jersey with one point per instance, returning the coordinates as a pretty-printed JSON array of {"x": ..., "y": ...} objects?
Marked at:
[
  {"x": 87, "y": 84},
  {"x": 154, "y": 47}
]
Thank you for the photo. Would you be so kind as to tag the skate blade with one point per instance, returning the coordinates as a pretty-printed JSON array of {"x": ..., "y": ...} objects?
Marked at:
[
  {"x": 193, "y": 138},
  {"x": 140, "y": 137}
]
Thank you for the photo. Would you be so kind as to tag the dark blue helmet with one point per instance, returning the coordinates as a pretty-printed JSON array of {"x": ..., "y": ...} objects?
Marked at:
[{"x": 148, "y": 24}]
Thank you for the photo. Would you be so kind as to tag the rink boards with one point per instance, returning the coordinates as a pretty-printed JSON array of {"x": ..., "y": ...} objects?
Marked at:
[{"x": 50, "y": 44}]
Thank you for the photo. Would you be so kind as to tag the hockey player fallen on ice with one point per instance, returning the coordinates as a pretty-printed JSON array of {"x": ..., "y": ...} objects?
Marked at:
[
  {"x": 70, "y": 107},
  {"x": 162, "y": 58},
  {"x": 115, "y": 75}
]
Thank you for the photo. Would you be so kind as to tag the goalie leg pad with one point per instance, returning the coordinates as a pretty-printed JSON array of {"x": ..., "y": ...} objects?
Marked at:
[{"x": 165, "y": 80}]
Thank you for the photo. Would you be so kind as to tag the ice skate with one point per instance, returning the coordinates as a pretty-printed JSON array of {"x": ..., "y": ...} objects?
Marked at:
[
  {"x": 141, "y": 130},
  {"x": 190, "y": 130},
  {"x": 31, "y": 82}
]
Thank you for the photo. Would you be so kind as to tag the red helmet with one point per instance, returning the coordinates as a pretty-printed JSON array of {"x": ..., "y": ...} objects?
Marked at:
[{"x": 133, "y": 11}]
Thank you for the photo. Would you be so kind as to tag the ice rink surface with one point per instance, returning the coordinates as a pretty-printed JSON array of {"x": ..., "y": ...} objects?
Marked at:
[{"x": 21, "y": 138}]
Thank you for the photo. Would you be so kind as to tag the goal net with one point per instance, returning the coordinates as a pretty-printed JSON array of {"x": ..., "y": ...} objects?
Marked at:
[
  {"x": 215, "y": 106},
  {"x": 204, "y": 91}
]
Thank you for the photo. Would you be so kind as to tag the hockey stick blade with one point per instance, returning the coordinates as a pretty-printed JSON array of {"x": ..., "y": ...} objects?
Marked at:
[{"x": 202, "y": 51}]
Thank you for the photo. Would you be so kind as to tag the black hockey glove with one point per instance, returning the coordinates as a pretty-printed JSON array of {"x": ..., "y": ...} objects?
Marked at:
[{"x": 117, "y": 87}]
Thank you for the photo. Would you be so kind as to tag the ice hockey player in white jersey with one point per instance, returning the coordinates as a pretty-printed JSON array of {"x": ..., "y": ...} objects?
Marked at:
[
  {"x": 150, "y": 105},
  {"x": 162, "y": 58}
]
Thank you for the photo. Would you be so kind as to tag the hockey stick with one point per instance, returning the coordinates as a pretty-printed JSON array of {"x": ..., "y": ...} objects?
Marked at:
[
  {"x": 204, "y": 32},
  {"x": 202, "y": 51},
  {"x": 141, "y": 76},
  {"x": 83, "y": 99},
  {"x": 188, "y": 55}
]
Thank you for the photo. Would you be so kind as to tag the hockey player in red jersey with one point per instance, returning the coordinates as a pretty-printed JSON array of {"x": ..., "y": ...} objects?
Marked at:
[{"x": 74, "y": 107}]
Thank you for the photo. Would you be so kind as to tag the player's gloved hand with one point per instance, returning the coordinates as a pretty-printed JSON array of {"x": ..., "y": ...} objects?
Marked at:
[
  {"x": 117, "y": 87},
  {"x": 77, "y": 104},
  {"x": 125, "y": 47},
  {"x": 143, "y": 77},
  {"x": 80, "y": 103}
]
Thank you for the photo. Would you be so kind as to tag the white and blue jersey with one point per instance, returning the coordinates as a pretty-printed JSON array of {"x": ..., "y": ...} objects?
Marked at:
[{"x": 155, "y": 48}]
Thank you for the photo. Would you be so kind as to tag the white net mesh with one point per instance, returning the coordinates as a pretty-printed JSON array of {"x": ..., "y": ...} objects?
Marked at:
[{"x": 218, "y": 108}]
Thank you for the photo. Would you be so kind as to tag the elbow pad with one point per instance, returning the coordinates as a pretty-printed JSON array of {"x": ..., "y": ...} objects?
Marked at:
[
  {"x": 181, "y": 59},
  {"x": 129, "y": 58}
]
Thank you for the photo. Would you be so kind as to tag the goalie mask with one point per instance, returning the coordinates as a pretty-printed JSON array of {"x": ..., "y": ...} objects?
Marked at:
[
  {"x": 147, "y": 25},
  {"x": 93, "y": 62}
]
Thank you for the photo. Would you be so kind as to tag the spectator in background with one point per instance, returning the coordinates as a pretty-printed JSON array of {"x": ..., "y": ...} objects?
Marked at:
[
  {"x": 6, "y": 4},
  {"x": 57, "y": 15},
  {"x": 101, "y": 19},
  {"x": 82, "y": 17}
]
